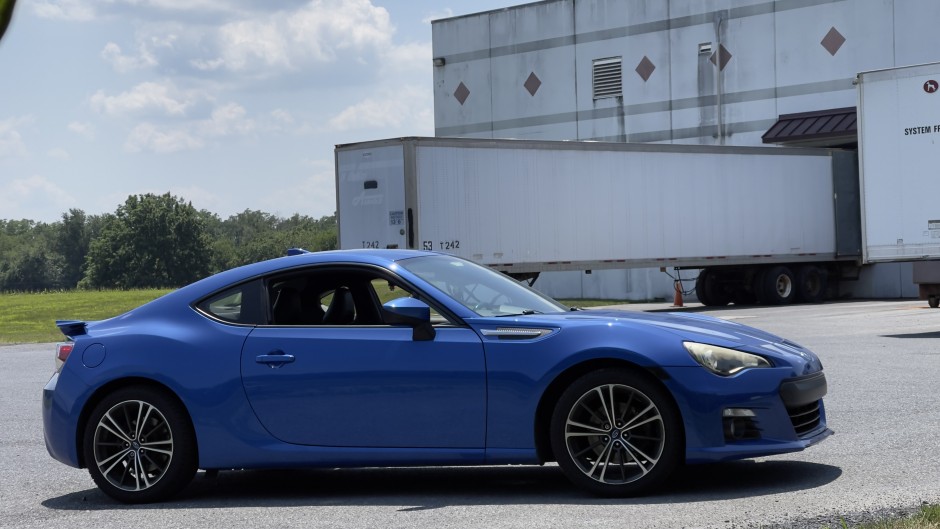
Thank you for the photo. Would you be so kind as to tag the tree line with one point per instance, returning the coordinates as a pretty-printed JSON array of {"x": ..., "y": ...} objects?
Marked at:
[{"x": 150, "y": 241}]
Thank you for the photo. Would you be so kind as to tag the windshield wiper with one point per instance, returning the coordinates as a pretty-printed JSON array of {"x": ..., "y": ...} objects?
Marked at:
[{"x": 526, "y": 312}]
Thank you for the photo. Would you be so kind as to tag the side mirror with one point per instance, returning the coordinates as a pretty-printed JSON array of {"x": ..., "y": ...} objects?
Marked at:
[{"x": 412, "y": 312}]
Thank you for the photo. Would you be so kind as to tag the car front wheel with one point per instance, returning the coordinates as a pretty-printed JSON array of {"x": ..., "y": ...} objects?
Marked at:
[
  {"x": 139, "y": 445},
  {"x": 616, "y": 433}
]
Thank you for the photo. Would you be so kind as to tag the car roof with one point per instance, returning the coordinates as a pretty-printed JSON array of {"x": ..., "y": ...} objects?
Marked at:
[{"x": 198, "y": 290}]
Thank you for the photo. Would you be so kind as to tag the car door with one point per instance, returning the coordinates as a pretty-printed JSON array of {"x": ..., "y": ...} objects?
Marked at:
[{"x": 368, "y": 386}]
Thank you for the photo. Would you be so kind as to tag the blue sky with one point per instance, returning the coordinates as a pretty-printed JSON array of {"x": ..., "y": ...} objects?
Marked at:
[{"x": 230, "y": 104}]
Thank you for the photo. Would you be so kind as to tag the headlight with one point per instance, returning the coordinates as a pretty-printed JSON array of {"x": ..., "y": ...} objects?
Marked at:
[{"x": 723, "y": 361}]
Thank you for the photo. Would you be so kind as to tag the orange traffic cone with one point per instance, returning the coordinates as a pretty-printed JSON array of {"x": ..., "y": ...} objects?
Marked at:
[{"x": 677, "y": 302}]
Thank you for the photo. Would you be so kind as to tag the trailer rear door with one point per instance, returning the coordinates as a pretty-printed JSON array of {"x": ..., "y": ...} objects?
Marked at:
[
  {"x": 370, "y": 187},
  {"x": 899, "y": 133}
]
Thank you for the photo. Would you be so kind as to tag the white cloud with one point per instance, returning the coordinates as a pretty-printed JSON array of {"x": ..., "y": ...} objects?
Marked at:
[
  {"x": 314, "y": 196},
  {"x": 315, "y": 33},
  {"x": 147, "y": 137},
  {"x": 328, "y": 25},
  {"x": 144, "y": 97},
  {"x": 58, "y": 153},
  {"x": 207, "y": 66},
  {"x": 126, "y": 63},
  {"x": 85, "y": 10},
  {"x": 85, "y": 130},
  {"x": 249, "y": 41},
  {"x": 225, "y": 121},
  {"x": 407, "y": 58},
  {"x": 24, "y": 196},
  {"x": 11, "y": 141},
  {"x": 182, "y": 5},
  {"x": 282, "y": 116},
  {"x": 260, "y": 39},
  {"x": 405, "y": 108},
  {"x": 77, "y": 10}
]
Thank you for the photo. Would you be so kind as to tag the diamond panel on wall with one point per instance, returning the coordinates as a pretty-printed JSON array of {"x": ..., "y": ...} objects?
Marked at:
[
  {"x": 645, "y": 68},
  {"x": 721, "y": 57},
  {"x": 532, "y": 84},
  {"x": 833, "y": 41},
  {"x": 462, "y": 93}
]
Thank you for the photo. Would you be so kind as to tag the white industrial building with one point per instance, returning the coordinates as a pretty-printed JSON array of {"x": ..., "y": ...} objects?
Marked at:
[{"x": 712, "y": 72}]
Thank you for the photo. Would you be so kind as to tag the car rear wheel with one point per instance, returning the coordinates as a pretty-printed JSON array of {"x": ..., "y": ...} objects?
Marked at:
[
  {"x": 139, "y": 445},
  {"x": 616, "y": 433}
]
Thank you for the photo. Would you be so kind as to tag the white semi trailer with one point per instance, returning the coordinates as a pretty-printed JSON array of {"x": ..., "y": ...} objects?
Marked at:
[
  {"x": 899, "y": 159},
  {"x": 762, "y": 222}
]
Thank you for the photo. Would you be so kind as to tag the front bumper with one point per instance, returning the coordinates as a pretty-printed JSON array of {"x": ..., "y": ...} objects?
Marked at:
[{"x": 783, "y": 414}]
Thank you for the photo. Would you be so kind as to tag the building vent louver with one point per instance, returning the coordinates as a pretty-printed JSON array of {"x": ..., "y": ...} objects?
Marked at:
[{"x": 608, "y": 77}]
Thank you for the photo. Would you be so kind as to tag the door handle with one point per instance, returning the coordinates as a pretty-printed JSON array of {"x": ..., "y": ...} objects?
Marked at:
[{"x": 275, "y": 359}]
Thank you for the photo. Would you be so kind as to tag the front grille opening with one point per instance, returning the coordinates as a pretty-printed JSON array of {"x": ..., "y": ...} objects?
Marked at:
[
  {"x": 740, "y": 429},
  {"x": 805, "y": 418}
]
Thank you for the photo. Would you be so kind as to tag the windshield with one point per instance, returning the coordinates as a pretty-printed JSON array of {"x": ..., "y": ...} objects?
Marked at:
[{"x": 480, "y": 289}]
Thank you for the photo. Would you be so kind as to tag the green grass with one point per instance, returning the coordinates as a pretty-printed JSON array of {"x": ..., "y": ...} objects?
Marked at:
[
  {"x": 30, "y": 318},
  {"x": 927, "y": 517}
]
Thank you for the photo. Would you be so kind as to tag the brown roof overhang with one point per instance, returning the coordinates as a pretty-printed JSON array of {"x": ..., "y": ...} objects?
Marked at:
[{"x": 833, "y": 126}]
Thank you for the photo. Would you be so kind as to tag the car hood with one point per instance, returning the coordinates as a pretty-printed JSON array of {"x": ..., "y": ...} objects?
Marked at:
[
  {"x": 688, "y": 326},
  {"x": 674, "y": 327}
]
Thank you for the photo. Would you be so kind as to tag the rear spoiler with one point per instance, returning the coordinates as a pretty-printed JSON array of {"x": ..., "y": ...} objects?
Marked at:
[{"x": 72, "y": 328}]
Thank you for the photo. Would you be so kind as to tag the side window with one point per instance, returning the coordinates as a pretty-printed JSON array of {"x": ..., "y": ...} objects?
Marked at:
[
  {"x": 240, "y": 304},
  {"x": 387, "y": 291},
  {"x": 328, "y": 296}
]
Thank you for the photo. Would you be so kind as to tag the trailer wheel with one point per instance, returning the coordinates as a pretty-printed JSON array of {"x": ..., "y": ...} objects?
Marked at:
[
  {"x": 779, "y": 285},
  {"x": 933, "y": 301},
  {"x": 812, "y": 281},
  {"x": 710, "y": 293}
]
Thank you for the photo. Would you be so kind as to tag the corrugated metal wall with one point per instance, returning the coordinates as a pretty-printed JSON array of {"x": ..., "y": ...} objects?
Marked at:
[{"x": 526, "y": 71}]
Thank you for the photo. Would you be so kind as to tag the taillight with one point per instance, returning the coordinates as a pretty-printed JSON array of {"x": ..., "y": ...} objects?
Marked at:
[{"x": 62, "y": 352}]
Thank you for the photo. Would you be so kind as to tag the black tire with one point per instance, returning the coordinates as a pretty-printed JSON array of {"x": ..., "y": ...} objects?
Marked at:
[
  {"x": 812, "y": 282},
  {"x": 780, "y": 286},
  {"x": 709, "y": 292},
  {"x": 640, "y": 454},
  {"x": 139, "y": 445},
  {"x": 933, "y": 301}
]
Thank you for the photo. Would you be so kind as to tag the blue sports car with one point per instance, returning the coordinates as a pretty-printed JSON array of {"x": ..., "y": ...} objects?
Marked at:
[{"x": 394, "y": 357}]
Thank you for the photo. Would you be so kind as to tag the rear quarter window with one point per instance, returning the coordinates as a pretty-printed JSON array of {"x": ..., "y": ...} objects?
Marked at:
[{"x": 240, "y": 304}]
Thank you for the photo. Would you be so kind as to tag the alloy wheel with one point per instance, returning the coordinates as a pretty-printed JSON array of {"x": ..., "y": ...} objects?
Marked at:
[
  {"x": 615, "y": 434},
  {"x": 133, "y": 445}
]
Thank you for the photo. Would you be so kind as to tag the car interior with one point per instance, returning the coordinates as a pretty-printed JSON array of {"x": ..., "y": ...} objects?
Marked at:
[{"x": 331, "y": 298}]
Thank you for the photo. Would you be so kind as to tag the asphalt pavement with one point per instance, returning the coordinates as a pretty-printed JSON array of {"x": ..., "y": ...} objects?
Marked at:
[{"x": 882, "y": 362}]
